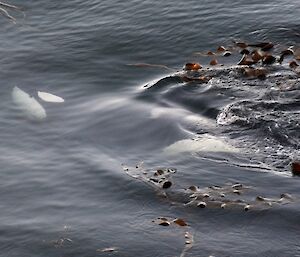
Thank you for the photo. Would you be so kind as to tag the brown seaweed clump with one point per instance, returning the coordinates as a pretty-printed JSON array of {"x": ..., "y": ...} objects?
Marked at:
[{"x": 229, "y": 196}]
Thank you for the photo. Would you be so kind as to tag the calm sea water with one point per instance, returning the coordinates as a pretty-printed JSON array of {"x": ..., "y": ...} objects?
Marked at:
[{"x": 63, "y": 190}]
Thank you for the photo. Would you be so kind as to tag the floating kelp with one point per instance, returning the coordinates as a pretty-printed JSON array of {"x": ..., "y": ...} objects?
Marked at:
[
  {"x": 192, "y": 66},
  {"x": 213, "y": 62},
  {"x": 164, "y": 221},
  {"x": 246, "y": 60},
  {"x": 230, "y": 196},
  {"x": 188, "y": 236},
  {"x": 221, "y": 49},
  {"x": 31, "y": 108},
  {"x": 268, "y": 59}
]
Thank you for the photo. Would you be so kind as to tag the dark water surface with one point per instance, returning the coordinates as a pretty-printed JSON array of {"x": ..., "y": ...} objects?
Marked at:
[{"x": 63, "y": 177}]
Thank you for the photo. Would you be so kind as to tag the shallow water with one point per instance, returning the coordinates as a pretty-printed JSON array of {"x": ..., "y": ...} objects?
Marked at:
[{"x": 63, "y": 177}]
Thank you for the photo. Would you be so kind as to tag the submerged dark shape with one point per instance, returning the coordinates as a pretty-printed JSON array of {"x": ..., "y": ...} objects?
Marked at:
[{"x": 295, "y": 166}]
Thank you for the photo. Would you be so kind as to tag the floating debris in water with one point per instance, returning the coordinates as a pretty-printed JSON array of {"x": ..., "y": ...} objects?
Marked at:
[
  {"x": 246, "y": 60},
  {"x": 210, "y": 53},
  {"x": 192, "y": 66},
  {"x": 221, "y": 49},
  {"x": 189, "y": 241},
  {"x": 107, "y": 250},
  {"x": 180, "y": 222},
  {"x": 229, "y": 196},
  {"x": 213, "y": 62},
  {"x": 241, "y": 44},
  {"x": 165, "y": 222}
]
